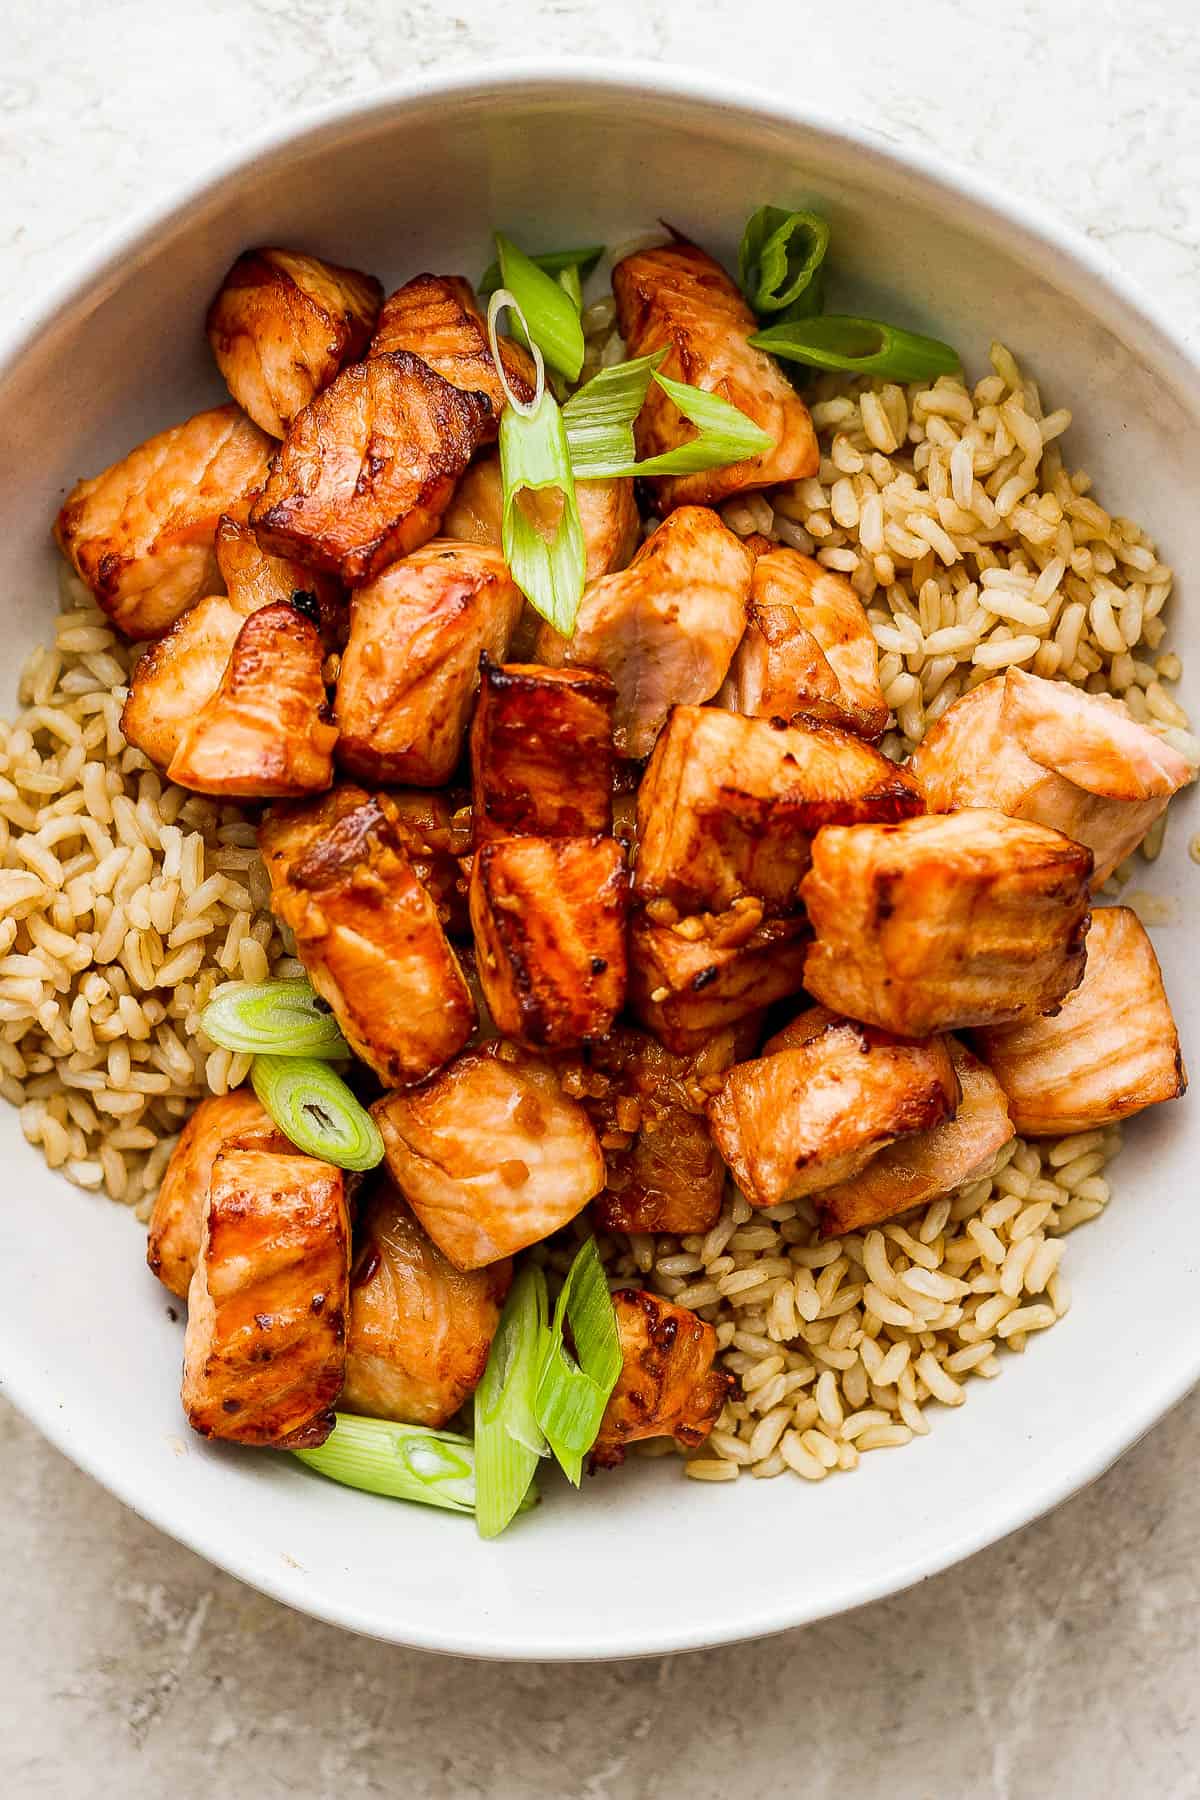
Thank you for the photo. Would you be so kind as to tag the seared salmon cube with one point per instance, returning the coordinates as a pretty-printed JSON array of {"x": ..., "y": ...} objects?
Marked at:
[
  {"x": 676, "y": 298},
  {"x": 1111, "y": 1050},
  {"x": 254, "y": 578},
  {"x": 419, "y": 1329},
  {"x": 685, "y": 987},
  {"x": 178, "y": 675},
  {"x": 282, "y": 325},
  {"x": 549, "y": 921},
  {"x": 436, "y": 318},
  {"x": 729, "y": 805},
  {"x": 947, "y": 921},
  {"x": 542, "y": 752},
  {"x": 918, "y": 1168},
  {"x": 490, "y": 1153},
  {"x": 663, "y": 1172},
  {"x": 141, "y": 534},
  {"x": 667, "y": 1386},
  {"x": 665, "y": 628},
  {"x": 265, "y": 732},
  {"x": 222, "y": 1122},
  {"x": 368, "y": 467},
  {"x": 264, "y": 1356},
  {"x": 808, "y": 649},
  {"x": 410, "y": 669},
  {"x": 368, "y": 933},
  {"x": 825, "y": 1096},
  {"x": 1048, "y": 751}
]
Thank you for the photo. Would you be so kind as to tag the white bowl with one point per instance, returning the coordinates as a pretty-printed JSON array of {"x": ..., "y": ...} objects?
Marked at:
[{"x": 644, "y": 1561}]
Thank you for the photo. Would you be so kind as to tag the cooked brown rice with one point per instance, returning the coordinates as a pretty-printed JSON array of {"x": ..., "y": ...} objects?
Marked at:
[{"x": 124, "y": 902}]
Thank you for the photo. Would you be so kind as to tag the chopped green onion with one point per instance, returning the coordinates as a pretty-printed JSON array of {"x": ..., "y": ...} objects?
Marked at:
[
  {"x": 552, "y": 261},
  {"x": 549, "y": 314},
  {"x": 780, "y": 260},
  {"x": 508, "y": 1438},
  {"x": 573, "y": 1390},
  {"x": 599, "y": 417},
  {"x": 405, "y": 1462},
  {"x": 272, "y": 1018},
  {"x": 599, "y": 423},
  {"x": 572, "y": 286},
  {"x": 503, "y": 301},
  {"x": 314, "y": 1107},
  {"x": 542, "y": 535},
  {"x": 861, "y": 346}
]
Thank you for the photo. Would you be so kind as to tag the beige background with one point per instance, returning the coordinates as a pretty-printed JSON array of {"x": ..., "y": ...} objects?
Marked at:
[{"x": 1063, "y": 1662}]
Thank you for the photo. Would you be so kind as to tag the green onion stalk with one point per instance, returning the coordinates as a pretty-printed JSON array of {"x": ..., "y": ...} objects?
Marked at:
[
  {"x": 859, "y": 347},
  {"x": 315, "y": 1109},
  {"x": 273, "y": 1018},
  {"x": 404, "y": 1462},
  {"x": 574, "y": 1385}
]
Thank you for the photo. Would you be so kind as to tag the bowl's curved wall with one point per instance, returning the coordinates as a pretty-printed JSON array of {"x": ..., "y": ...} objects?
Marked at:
[{"x": 643, "y": 1562}]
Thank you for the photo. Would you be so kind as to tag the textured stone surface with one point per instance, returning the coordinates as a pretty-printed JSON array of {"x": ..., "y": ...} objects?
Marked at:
[{"x": 1062, "y": 1662}]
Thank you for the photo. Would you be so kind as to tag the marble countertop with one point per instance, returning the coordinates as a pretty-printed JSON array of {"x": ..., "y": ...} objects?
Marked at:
[{"x": 1061, "y": 1662}]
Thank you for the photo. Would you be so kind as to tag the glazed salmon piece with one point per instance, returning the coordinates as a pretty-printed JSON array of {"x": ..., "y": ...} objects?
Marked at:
[
  {"x": 264, "y": 1356},
  {"x": 549, "y": 917},
  {"x": 542, "y": 752},
  {"x": 369, "y": 935},
  {"x": 253, "y": 578},
  {"x": 662, "y": 1170},
  {"x": 686, "y": 987},
  {"x": 607, "y": 512},
  {"x": 282, "y": 325},
  {"x": 368, "y": 468},
  {"x": 729, "y": 806},
  {"x": 436, "y": 317},
  {"x": 141, "y": 534},
  {"x": 665, "y": 628},
  {"x": 1110, "y": 1051},
  {"x": 944, "y": 922},
  {"x": 808, "y": 649},
  {"x": 490, "y": 1153},
  {"x": 410, "y": 668},
  {"x": 422, "y": 823},
  {"x": 667, "y": 1386},
  {"x": 676, "y": 298},
  {"x": 178, "y": 675},
  {"x": 264, "y": 732},
  {"x": 821, "y": 1100},
  {"x": 219, "y": 1123},
  {"x": 917, "y": 1169},
  {"x": 419, "y": 1329},
  {"x": 1047, "y": 751}
]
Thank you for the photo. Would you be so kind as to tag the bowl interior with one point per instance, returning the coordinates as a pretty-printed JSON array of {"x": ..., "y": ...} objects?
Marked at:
[{"x": 644, "y": 1561}]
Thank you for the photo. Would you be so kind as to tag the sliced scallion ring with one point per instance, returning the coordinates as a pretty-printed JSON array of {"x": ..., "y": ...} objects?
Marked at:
[
  {"x": 502, "y": 301},
  {"x": 599, "y": 423},
  {"x": 272, "y": 1018},
  {"x": 541, "y": 533},
  {"x": 405, "y": 1462},
  {"x": 554, "y": 262},
  {"x": 859, "y": 346},
  {"x": 781, "y": 258},
  {"x": 573, "y": 1390},
  {"x": 508, "y": 1438},
  {"x": 599, "y": 417},
  {"x": 548, "y": 313},
  {"x": 315, "y": 1109}
]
